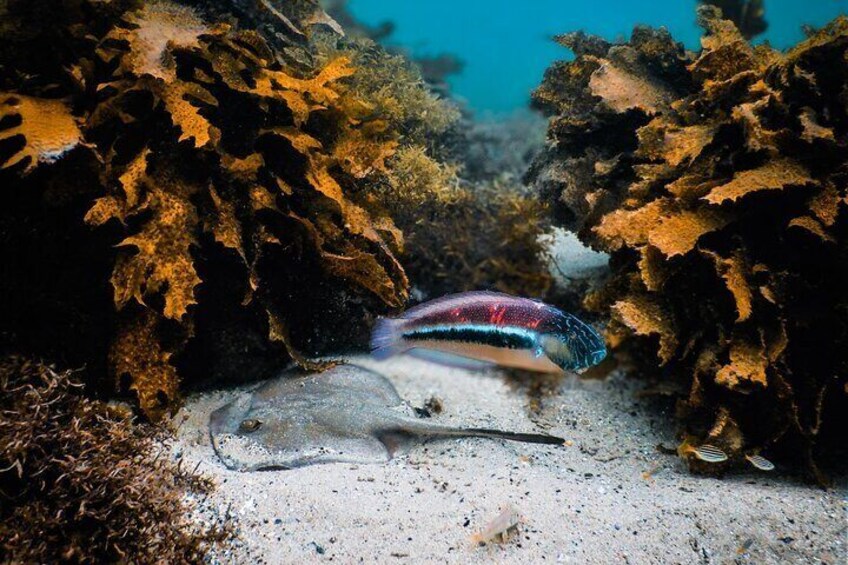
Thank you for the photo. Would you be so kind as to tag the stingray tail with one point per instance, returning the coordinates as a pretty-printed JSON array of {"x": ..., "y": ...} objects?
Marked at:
[
  {"x": 511, "y": 436},
  {"x": 425, "y": 428}
]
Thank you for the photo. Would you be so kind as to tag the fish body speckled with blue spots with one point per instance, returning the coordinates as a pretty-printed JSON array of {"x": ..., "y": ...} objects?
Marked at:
[{"x": 477, "y": 329}]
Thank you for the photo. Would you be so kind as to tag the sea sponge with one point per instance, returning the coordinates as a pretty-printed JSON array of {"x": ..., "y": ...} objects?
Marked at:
[
  {"x": 82, "y": 483},
  {"x": 717, "y": 182},
  {"x": 232, "y": 186}
]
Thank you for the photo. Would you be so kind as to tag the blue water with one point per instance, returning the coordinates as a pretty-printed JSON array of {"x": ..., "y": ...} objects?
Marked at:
[{"x": 506, "y": 44}]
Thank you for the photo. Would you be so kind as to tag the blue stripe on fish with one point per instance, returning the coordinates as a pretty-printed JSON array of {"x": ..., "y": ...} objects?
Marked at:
[{"x": 497, "y": 336}]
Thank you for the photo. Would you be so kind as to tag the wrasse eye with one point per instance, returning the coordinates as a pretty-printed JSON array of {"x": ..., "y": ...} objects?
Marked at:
[{"x": 250, "y": 425}]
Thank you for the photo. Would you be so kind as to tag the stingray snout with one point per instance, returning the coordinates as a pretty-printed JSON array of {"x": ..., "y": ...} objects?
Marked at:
[
  {"x": 235, "y": 451},
  {"x": 228, "y": 417}
]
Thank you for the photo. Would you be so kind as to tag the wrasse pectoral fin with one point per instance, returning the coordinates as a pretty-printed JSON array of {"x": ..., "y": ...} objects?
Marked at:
[{"x": 449, "y": 359}]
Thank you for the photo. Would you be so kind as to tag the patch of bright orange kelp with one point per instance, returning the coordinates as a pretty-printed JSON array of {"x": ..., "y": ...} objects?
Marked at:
[
  {"x": 718, "y": 182},
  {"x": 228, "y": 187}
]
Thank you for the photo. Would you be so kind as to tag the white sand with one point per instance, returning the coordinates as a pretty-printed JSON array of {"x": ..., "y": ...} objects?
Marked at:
[
  {"x": 586, "y": 503},
  {"x": 572, "y": 261}
]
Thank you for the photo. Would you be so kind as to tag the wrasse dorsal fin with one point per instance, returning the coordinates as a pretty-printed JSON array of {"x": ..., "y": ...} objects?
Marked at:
[{"x": 458, "y": 299}]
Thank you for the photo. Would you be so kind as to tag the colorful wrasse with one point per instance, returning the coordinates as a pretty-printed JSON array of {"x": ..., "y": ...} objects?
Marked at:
[{"x": 475, "y": 329}]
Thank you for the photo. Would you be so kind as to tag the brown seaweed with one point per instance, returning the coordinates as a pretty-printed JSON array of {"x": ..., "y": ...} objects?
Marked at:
[
  {"x": 230, "y": 182},
  {"x": 748, "y": 15},
  {"x": 82, "y": 483},
  {"x": 717, "y": 181},
  {"x": 464, "y": 235}
]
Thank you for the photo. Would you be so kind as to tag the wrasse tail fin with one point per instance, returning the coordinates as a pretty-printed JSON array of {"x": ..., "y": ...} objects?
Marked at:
[{"x": 385, "y": 339}]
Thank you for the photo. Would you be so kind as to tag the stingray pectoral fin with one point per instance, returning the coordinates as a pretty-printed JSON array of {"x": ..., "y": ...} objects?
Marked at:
[
  {"x": 450, "y": 359},
  {"x": 362, "y": 449}
]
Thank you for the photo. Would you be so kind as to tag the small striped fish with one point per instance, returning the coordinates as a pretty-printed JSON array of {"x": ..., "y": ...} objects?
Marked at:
[
  {"x": 479, "y": 329},
  {"x": 760, "y": 462},
  {"x": 709, "y": 453}
]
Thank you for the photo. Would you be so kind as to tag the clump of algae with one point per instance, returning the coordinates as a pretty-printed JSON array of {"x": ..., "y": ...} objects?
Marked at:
[
  {"x": 454, "y": 190},
  {"x": 212, "y": 198},
  {"x": 82, "y": 483},
  {"x": 464, "y": 235},
  {"x": 716, "y": 180},
  {"x": 747, "y": 15}
]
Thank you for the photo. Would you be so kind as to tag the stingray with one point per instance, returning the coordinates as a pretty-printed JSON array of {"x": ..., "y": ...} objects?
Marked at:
[{"x": 346, "y": 414}]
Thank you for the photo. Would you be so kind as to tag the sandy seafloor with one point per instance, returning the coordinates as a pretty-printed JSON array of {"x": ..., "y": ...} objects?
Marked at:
[{"x": 609, "y": 496}]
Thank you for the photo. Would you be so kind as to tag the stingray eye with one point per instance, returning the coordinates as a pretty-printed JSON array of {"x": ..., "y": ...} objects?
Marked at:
[{"x": 250, "y": 425}]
